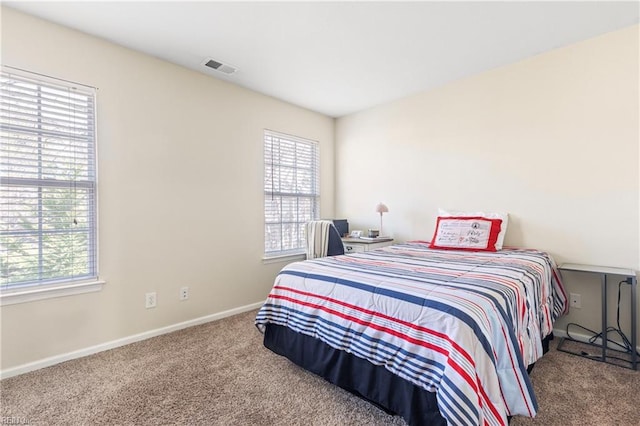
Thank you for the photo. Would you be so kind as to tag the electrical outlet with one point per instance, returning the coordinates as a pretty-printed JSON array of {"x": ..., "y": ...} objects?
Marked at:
[
  {"x": 576, "y": 300},
  {"x": 184, "y": 293},
  {"x": 150, "y": 300}
]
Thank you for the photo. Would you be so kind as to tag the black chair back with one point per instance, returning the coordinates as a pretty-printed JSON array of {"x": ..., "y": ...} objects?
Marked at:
[{"x": 336, "y": 247}]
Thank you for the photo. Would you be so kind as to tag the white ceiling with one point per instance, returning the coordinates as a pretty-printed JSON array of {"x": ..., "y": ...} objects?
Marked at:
[{"x": 341, "y": 57}]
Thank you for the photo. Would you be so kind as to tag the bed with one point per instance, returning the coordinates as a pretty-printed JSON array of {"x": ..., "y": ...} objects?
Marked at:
[{"x": 435, "y": 336}]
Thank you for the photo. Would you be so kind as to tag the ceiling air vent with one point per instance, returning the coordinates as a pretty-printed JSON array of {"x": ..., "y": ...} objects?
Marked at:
[{"x": 219, "y": 66}]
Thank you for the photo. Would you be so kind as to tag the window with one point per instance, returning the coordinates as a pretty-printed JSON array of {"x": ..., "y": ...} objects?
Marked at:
[
  {"x": 47, "y": 182},
  {"x": 291, "y": 192}
]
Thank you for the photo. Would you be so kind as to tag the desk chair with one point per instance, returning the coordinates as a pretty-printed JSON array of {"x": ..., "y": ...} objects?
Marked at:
[{"x": 322, "y": 239}]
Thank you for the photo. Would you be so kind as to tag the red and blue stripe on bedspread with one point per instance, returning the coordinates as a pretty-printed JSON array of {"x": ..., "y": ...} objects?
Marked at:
[{"x": 462, "y": 324}]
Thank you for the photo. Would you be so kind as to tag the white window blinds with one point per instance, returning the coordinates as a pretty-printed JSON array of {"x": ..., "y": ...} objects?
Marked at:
[
  {"x": 47, "y": 181},
  {"x": 291, "y": 189}
]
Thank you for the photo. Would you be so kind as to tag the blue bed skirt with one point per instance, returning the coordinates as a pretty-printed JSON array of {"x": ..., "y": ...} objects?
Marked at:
[{"x": 375, "y": 384}]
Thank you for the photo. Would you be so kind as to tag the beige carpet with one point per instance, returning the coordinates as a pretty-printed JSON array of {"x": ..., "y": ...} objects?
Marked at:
[{"x": 220, "y": 374}]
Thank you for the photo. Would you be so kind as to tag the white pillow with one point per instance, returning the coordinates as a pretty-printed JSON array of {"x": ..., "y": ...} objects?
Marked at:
[{"x": 491, "y": 215}]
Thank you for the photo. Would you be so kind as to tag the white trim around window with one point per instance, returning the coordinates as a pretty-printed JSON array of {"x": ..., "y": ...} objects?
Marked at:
[
  {"x": 291, "y": 193},
  {"x": 30, "y": 294},
  {"x": 48, "y": 188}
]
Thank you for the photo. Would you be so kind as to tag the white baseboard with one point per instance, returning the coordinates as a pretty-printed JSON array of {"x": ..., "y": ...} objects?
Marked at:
[
  {"x": 580, "y": 337},
  {"x": 576, "y": 336},
  {"x": 47, "y": 362}
]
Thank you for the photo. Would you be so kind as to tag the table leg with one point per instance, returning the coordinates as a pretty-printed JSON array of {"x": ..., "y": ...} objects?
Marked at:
[
  {"x": 634, "y": 300},
  {"x": 603, "y": 280}
]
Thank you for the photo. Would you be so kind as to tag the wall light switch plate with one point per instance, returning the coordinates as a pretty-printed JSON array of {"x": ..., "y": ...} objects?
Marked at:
[{"x": 575, "y": 300}]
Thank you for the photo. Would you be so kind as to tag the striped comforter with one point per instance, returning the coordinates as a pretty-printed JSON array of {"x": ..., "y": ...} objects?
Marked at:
[{"x": 462, "y": 324}]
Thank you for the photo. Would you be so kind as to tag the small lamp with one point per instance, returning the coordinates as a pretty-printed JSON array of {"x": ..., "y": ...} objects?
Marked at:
[{"x": 381, "y": 208}]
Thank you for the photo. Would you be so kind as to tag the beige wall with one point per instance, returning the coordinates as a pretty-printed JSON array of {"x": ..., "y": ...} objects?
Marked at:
[
  {"x": 180, "y": 191},
  {"x": 553, "y": 140}
]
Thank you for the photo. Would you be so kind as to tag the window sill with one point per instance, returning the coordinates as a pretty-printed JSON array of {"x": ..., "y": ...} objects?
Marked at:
[
  {"x": 12, "y": 297},
  {"x": 284, "y": 258}
]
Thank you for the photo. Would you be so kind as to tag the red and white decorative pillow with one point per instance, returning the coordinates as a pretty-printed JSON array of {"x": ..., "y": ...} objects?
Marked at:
[
  {"x": 488, "y": 215},
  {"x": 474, "y": 233}
]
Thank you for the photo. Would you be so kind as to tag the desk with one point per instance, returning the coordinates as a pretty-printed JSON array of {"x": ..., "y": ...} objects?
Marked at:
[
  {"x": 603, "y": 272},
  {"x": 359, "y": 245}
]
